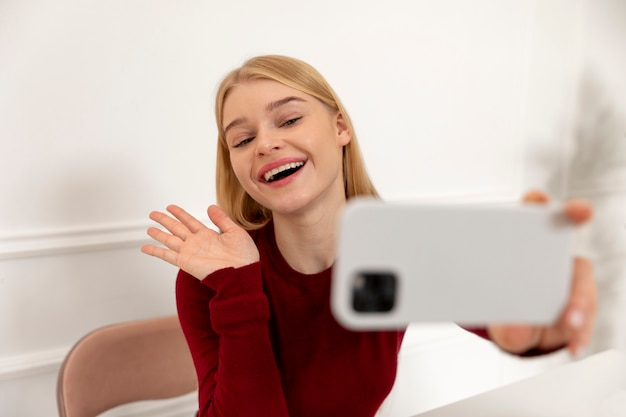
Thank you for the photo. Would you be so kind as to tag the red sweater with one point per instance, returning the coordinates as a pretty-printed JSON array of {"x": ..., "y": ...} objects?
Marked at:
[{"x": 265, "y": 343}]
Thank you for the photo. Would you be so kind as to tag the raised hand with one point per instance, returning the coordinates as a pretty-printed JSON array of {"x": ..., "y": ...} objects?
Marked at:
[
  {"x": 575, "y": 325},
  {"x": 195, "y": 248}
]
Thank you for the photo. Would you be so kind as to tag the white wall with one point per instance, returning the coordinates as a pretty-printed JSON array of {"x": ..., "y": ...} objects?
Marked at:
[
  {"x": 598, "y": 161},
  {"x": 106, "y": 114}
]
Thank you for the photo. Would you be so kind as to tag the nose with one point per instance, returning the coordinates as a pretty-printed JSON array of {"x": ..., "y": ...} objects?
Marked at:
[{"x": 266, "y": 143}]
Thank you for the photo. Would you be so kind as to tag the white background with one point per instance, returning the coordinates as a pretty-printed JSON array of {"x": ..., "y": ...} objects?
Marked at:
[{"x": 106, "y": 114}]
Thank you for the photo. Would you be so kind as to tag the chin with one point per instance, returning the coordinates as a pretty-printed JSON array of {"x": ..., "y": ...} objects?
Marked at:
[{"x": 293, "y": 206}]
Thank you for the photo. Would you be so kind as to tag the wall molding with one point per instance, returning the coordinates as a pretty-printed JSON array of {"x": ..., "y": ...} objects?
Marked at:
[
  {"x": 76, "y": 239},
  {"x": 60, "y": 242},
  {"x": 31, "y": 364}
]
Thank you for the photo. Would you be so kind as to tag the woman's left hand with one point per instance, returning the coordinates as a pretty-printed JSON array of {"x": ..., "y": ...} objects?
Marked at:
[{"x": 575, "y": 325}]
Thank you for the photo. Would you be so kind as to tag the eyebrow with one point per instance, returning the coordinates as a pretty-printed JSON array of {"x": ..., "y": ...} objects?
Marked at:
[
  {"x": 276, "y": 104},
  {"x": 269, "y": 108}
]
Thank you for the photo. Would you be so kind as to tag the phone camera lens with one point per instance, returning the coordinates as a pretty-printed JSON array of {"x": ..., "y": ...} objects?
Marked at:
[{"x": 374, "y": 292}]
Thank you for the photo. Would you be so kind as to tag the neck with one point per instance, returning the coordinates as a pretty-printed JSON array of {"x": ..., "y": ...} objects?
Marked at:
[{"x": 308, "y": 242}]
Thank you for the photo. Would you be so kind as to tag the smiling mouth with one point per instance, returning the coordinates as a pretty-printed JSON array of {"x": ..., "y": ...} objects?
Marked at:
[{"x": 282, "y": 171}]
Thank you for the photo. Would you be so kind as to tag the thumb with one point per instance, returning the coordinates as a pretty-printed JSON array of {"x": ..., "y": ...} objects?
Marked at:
[
  {"x": 581, "y": 308},
  {"x": 221, "y": 219}
]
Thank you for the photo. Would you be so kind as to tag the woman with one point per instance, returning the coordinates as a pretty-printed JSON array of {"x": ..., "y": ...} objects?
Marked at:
[{"x": 253, "y": 299}]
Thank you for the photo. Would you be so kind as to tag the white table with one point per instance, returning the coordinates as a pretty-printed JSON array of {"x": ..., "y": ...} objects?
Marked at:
[{"x": 592, "y": 387}]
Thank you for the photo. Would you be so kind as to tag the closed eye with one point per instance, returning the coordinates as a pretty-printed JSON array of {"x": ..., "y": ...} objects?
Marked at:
[
  {"x": 243, "y": 142},
  {"x": 291, "y": 121}
]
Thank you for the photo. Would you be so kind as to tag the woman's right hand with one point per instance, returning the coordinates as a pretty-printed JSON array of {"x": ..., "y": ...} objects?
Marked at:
[{"x": 196, "y": 249}]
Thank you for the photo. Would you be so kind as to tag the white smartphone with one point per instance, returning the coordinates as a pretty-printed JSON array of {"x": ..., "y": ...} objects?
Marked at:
[{"x": 471, "y": 264}]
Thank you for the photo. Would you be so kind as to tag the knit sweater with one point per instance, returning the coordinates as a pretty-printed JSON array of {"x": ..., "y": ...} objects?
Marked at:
[{"x": 264, "y": 343}]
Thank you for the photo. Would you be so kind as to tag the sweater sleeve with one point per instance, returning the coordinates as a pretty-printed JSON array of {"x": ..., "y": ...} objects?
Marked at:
[{"x": 225, "y": 321}]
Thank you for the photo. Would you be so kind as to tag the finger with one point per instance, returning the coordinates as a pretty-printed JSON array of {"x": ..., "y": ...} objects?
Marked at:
[
  {"x": 221, "y": 219},
  {"x": 194, "y": 225},
  {"x": 514, "y": 338},
  {"x": 578, "y": 211},
  {"x": 175, "y": 227},
  {"x": 167, "y": 255},
  {"x": 536, "y": 196},
  {"x": 581, "y": 308},
  {"x": 170, "y": 241}
]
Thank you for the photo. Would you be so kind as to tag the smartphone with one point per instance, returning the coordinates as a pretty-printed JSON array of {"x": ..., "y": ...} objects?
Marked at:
[{"x": 473, "y": 264}]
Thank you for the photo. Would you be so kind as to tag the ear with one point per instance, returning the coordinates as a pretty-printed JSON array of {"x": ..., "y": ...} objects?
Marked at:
[{"x": 344, "y": 135}]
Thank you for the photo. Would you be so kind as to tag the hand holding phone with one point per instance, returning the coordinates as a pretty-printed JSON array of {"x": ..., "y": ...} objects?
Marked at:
[{"x": 472, "y": 264}]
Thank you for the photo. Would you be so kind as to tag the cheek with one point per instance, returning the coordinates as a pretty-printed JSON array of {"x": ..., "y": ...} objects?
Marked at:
[
  {"x": 241, "y": 169},
  {"x": 237, "y": 167}
]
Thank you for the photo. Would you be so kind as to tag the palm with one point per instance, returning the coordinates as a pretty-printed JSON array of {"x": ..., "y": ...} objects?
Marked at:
[{"x": 195, "y": 248}]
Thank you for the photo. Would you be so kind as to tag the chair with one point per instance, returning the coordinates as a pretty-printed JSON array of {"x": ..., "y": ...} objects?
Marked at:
[{"x": 122, "y": 363}]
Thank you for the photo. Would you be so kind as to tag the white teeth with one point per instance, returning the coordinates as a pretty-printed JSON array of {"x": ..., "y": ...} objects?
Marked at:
[{"x": 269, "y": 174}]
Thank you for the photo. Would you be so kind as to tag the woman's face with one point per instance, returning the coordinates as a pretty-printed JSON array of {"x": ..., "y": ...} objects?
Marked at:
[{"x": 285, "y": 146}]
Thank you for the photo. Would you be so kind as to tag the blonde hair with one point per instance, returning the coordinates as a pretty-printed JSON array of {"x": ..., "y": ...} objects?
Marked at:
[{"x": 231, "y": 196}]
